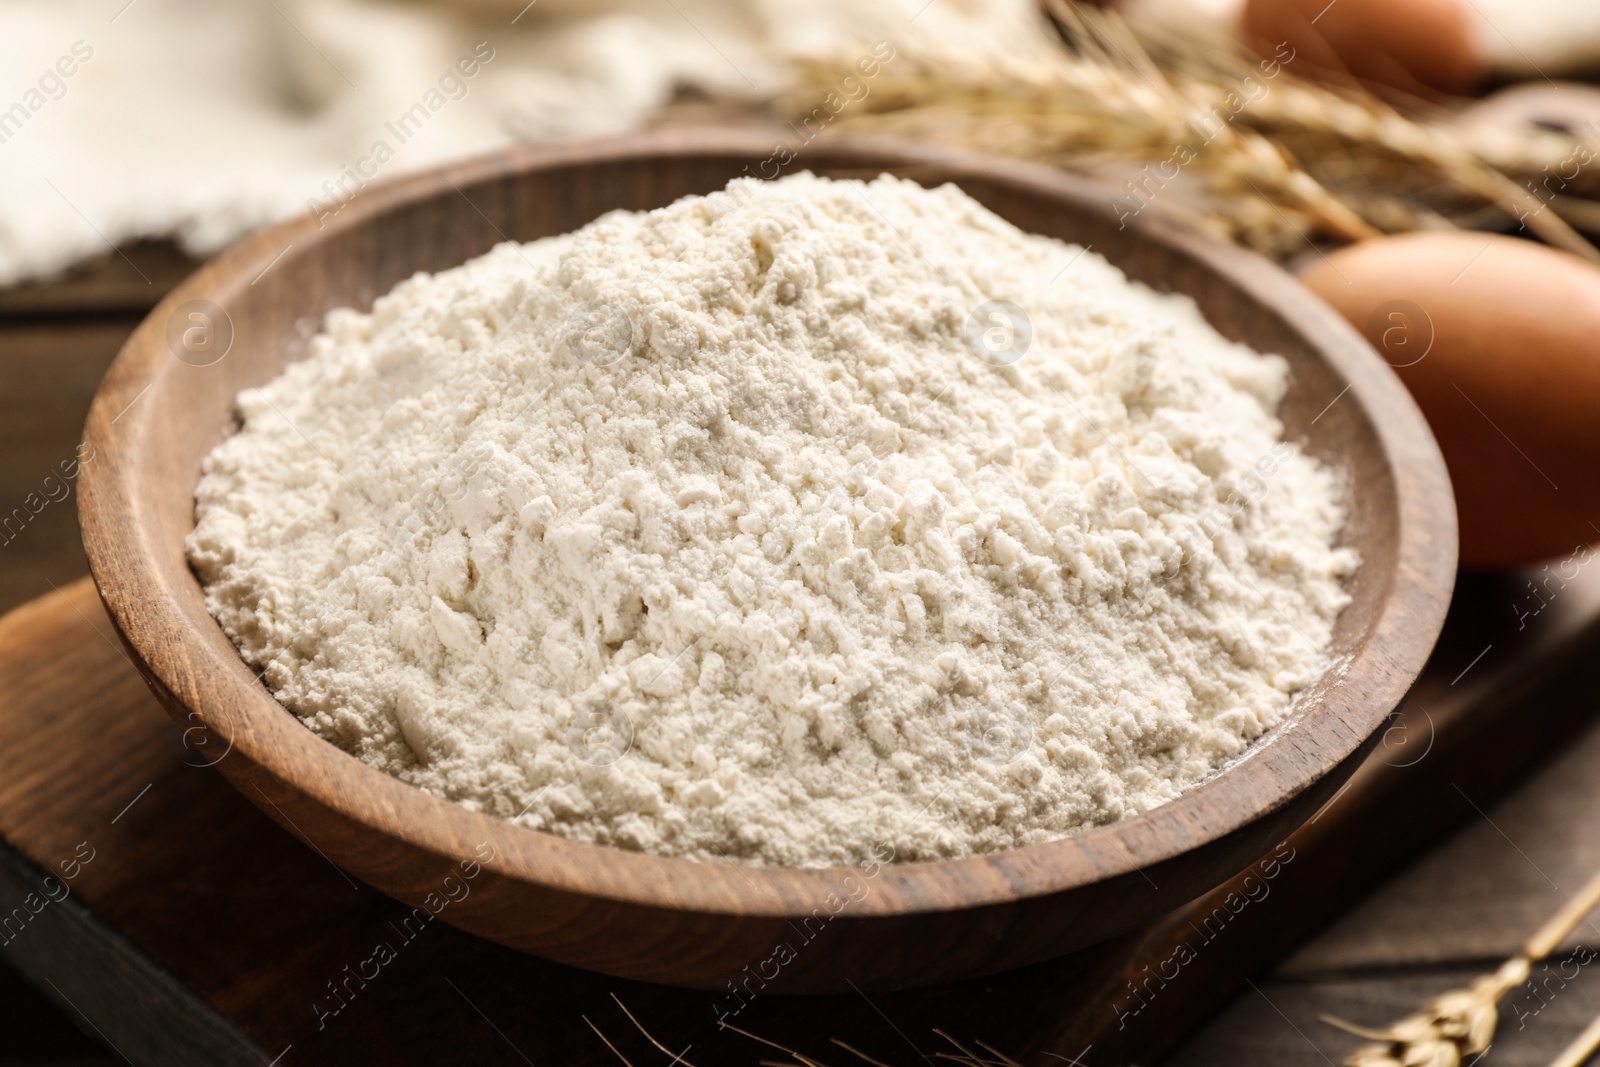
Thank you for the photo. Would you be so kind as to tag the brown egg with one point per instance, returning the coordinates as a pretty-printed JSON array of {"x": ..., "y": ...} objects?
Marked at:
[
  {"x": 1498, "y": 340},
  {"x": 1417, "y": 46}
]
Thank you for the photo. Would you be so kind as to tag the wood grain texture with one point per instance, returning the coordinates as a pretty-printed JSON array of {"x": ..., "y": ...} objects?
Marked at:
[
  {"x": 1482, "y": 892},
  {"x": 93, "y": 975},
  {"x": 50, "y": 370},
  {"x": 131, "y": 279},
  {"x": 56, "y": 341},
  {"x": 702, "y": 925}
]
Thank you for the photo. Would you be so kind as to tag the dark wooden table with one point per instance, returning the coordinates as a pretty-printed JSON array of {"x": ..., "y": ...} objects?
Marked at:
[
  {"x": 55, "y": 342},
  {"x": 1453, "y": 914}
]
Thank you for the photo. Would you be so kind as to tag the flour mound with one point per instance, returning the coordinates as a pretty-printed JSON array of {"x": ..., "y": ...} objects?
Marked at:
[{"x": 710, "y": 532}]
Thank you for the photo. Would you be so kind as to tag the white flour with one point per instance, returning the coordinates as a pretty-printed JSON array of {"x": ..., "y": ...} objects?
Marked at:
[{"x": 709, "y": 532}]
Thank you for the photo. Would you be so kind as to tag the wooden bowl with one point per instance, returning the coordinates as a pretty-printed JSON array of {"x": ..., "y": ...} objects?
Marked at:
[{"x": 678, "y": 921}]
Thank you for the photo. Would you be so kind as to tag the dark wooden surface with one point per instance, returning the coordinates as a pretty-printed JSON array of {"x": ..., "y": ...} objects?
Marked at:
[
  {"x": 702, "y": 925},
  {"x": 56, "y": 340}
]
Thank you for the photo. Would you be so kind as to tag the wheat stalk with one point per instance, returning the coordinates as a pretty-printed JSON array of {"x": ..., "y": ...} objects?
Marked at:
[
  {"x": 1301, "y": 162},
  {"x": 1582, "y": 1047},
  {"x": 1462, "y": 1023}
]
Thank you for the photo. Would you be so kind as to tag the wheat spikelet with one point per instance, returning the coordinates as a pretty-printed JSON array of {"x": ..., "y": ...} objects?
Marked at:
[
  {"x": 1452, "y": 1026},
  {"x": 1461, "y": 1023},
  {"x": 1295, "y": 162}
]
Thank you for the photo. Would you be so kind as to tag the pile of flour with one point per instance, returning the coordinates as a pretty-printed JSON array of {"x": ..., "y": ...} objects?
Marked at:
[{"x": 726, "y": 531}]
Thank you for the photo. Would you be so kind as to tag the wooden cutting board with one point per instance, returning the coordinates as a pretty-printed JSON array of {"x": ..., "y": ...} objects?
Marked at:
[{"x": 182, "y": 926}]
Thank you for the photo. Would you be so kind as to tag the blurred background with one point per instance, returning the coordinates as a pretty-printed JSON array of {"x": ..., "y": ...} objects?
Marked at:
[{"x": 193, "y": 122}]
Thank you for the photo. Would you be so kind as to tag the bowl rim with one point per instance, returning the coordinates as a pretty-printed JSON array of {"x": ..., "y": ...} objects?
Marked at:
[{"x": 1289, "y": 758}]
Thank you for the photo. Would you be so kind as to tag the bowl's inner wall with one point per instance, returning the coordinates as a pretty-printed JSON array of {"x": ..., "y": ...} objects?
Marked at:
[{"x": 358, "y": 261}]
